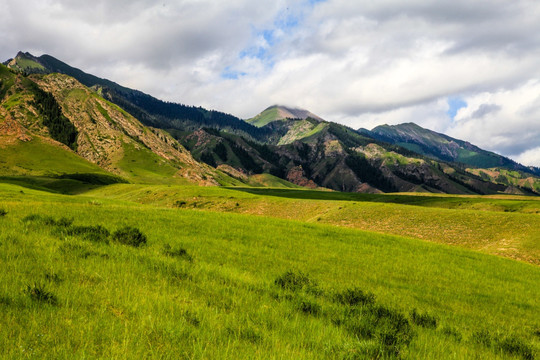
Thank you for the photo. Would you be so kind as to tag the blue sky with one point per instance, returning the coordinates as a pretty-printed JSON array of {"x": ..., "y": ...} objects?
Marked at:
[{"x": 454, "y": 104}]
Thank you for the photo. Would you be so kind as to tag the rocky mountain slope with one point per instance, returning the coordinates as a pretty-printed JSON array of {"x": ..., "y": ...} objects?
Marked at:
[
  {"x": 147, "y": 109},
  {"x": 58, "y": 112},
  {"x": 292, "y": 144},
  {"x": 442, "y": 147}
]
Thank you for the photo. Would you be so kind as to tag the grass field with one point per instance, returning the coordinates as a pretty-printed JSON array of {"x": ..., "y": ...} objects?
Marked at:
[
  {"x": 213, "y": 284},
  {"x": 508, "y": 226}
]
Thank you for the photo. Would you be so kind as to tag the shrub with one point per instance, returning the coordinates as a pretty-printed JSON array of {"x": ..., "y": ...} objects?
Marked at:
[
  {"x": 49, "y": 220},
  {"x": 482, "y": 337},
  {"x": 3, "y": 212},
  {"x": 32, "y": 217},
  {"x": 176, "y": 252},
  {"x": 388, "y": 327},
  {"x": 95, "y": 233},
  {"x": 62, "y": 222},
  {"x": 308, "y": 307},
  {"x": 179, "y": 203},
  {"x": 510, "y": 345},
  {"x": 354, "y": 297},
  {"x": 424, "y": 320},
  {"x": 516, "y": 347},
  {"x": 40, "y": 294},
  {"x": 294, "y": 282},
  {"x": 129, "y": 235},
  {"x": 451, "y": 332}
]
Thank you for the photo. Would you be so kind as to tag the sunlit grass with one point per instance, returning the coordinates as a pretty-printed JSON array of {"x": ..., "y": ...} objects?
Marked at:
[{"x": 205, "y": 285}]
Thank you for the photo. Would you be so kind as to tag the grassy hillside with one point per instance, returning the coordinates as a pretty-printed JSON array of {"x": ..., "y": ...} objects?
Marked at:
[
  {"x": 501, "y": 225},
  {"x": 217, "y": 285},
  {"x": 509, "y": 177},
  {"x": 442, "y": 147},
  {"x": 267, "y": 180},
  {"x": 42, "y": 157},
  {"x": 265, "y": 117}
]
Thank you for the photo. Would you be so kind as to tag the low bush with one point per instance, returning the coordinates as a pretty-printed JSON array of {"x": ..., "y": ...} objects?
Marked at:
[
  {"x": 176, "y": 252},
  {"x": 95, "y": 233},
  {"x": 48, "y": 220},
  {"x": 354, "y": 297},
  {"x": 62, "y": 222},
  {"x": 424, "y": 320},
  {"x": 309, "y": 307},
  {"x": 294, "y": 281},
  {"x": 514, "y": 346},
  {"x": 451, "y": 332},
  {"x": 40, "y": 294},
  {"x": 3, "y": 212},
  {"x": 129, "y": 235},
  {"x": 179, "y": 203},
  {"x": 388, "y": 327}
]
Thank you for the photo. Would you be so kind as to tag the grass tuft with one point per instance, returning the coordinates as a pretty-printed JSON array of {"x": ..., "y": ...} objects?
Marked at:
[
  {"x": 176, "y": 252},
  {"x": 129, "y": 235},
  {"x": 424, "y": 320},
  {"x": 48, "y": 220},
  {"x": 309, "y": 307},
  {"x": 38, "y": 293},
  {"x": 355, "y": 297},
  {"x": 511, "y": 344},
  {"x": 452, "y": 333},
  {"x": 515, "y": 346},
  {"x": 294, "y": 281},
  {"x": 388, "y": 327},
  {"x": 95, "y": 233}
]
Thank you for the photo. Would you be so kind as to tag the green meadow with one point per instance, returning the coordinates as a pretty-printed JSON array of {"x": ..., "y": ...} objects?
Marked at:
[{"x": 165, "y": 271}]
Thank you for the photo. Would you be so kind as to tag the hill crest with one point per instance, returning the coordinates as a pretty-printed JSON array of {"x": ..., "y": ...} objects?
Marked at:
[{"x": 281, "y": 112}]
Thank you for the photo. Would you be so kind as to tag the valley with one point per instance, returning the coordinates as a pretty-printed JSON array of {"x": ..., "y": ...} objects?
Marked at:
[{"x": 136, "y": 228}]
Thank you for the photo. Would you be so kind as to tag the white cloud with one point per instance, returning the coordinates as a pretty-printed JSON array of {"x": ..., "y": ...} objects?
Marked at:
[
  {"x": 531, "y": 157},
  {"x": 361, "y": 63},
  {"x": 505, "y": 121}
]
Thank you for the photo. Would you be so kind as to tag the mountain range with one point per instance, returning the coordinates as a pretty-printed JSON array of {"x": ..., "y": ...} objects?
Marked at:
[{"x": 94, "y": 130}]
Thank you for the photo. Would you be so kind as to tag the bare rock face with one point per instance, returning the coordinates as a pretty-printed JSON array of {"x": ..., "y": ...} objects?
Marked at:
[
  {"x": 297, "y": 176},
  {"x": 11, "y": 130},
  {"x": 235, "y": 173}
]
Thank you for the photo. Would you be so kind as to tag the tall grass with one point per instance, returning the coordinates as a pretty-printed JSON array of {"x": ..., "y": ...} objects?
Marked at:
[{"x": 232, "y": 286}]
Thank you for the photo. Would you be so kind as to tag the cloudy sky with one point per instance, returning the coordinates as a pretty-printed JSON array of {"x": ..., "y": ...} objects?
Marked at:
[{"x": 470, "y": 69}]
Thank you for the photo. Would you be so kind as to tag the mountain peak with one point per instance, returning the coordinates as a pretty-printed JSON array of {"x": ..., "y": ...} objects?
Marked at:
[
  {"x": 281, "y": 112},
  {"x": 26, "y": 62}
]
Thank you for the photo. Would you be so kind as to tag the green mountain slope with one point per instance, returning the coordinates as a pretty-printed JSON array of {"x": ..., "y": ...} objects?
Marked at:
[
  {"x": 38, "y": 111},
  {"x": 147, "y": 109},
  {"x": 279, "y": 112},
  {"x": 442, "y": 147},
  {"x": 294, "y": 145}
]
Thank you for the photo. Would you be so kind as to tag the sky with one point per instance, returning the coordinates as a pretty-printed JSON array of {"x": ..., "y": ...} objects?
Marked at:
[{"x": 469, "y": 69}]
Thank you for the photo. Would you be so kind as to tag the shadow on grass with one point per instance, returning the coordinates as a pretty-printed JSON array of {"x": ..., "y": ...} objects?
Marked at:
[
  {"x": 440, "y": 201},
  {"x": 335, "y": 195},
  {"x": 69, "y": 184}
]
